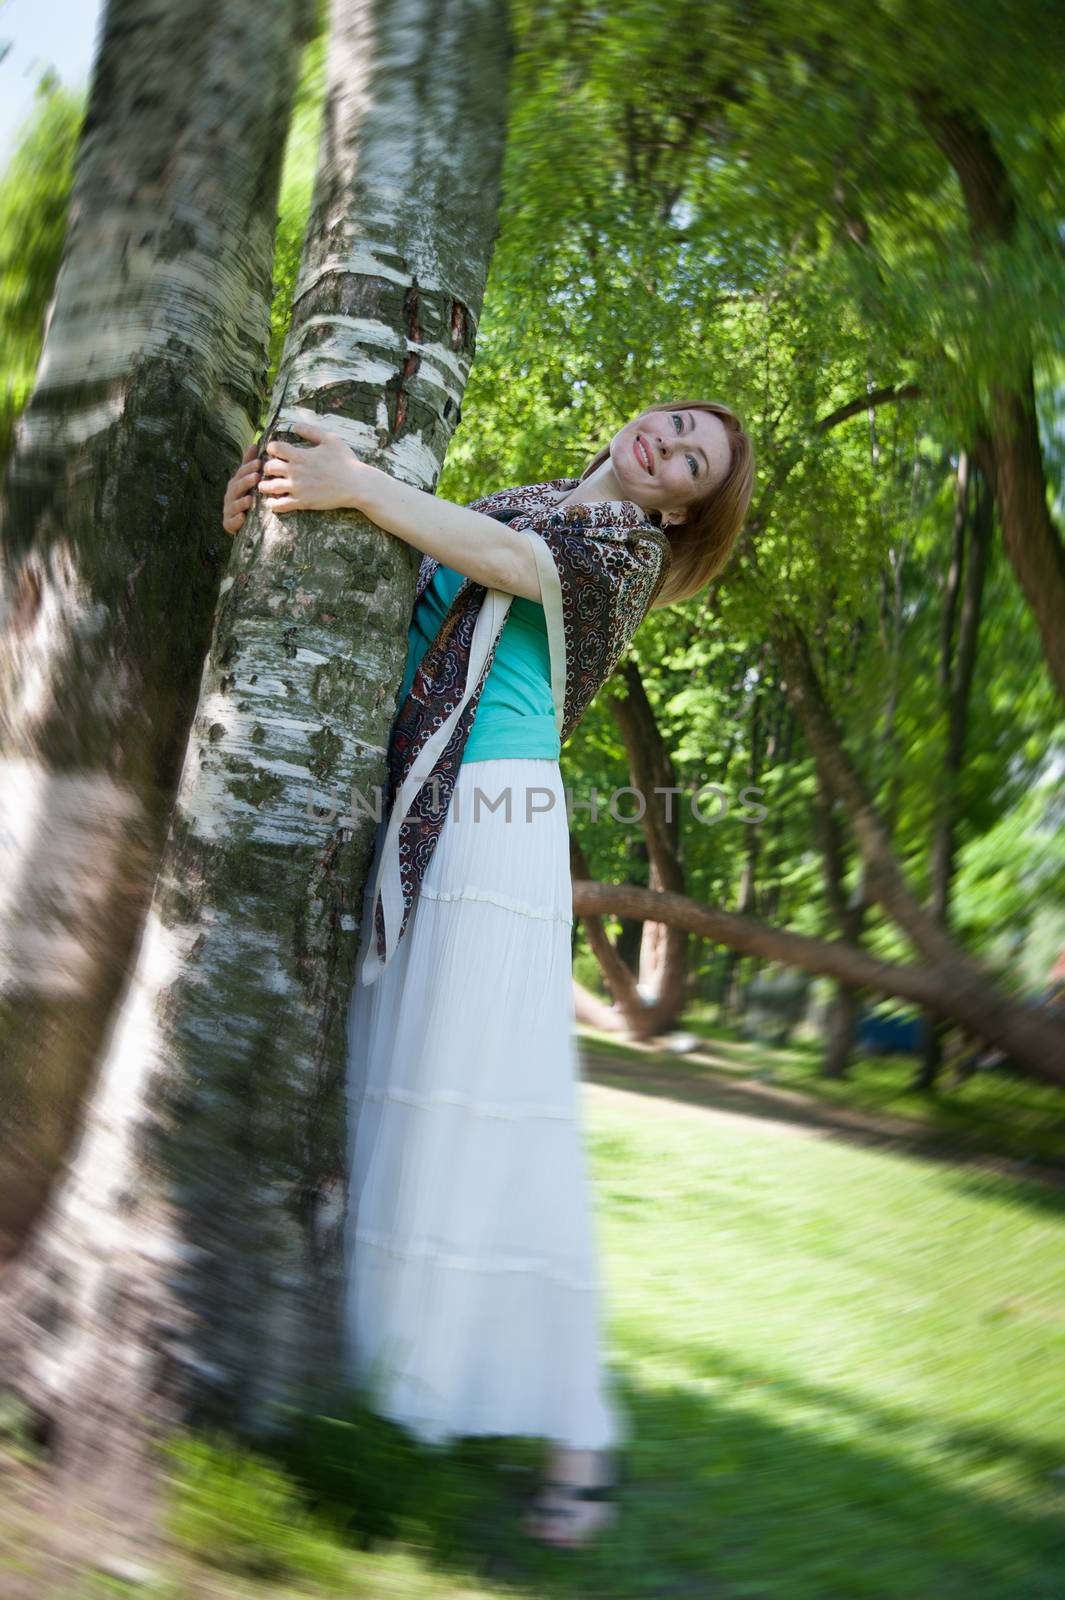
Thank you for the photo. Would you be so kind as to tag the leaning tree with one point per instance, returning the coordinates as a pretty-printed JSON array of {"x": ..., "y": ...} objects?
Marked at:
[
  {"x": 151, "y": 376},
  {"x": 189, "y": 1266}
]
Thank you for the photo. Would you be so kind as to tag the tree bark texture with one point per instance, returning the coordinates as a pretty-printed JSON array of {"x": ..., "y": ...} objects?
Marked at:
[
  {"x": 848, "y": 915},
  {"x": 973, "y": 526},
  {"x": 652, "y": 775},
  {"x": 200, "y": 1228},
  {"x": 150, "y": 383},
  {"x": 746, "y": 894}
]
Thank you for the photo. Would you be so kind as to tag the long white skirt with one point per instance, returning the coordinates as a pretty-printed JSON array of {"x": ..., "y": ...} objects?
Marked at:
[{"x": 472, "y": 1299}]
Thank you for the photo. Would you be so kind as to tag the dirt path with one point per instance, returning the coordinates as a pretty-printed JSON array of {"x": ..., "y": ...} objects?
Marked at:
[{"x": 698, "y": 1086}]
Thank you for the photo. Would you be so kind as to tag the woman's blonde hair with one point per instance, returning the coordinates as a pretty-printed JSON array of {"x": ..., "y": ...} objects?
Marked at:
[{"x": 702, "y": 543}]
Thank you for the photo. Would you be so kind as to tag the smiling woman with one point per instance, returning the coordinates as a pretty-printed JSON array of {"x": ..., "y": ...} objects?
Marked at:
[
  {"x": 472, "y": 1297},
  {"x": 690, "y": 465}
]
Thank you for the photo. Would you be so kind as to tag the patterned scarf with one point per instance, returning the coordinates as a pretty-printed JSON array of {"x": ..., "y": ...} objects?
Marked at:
[{"x": 601, "y": 566}]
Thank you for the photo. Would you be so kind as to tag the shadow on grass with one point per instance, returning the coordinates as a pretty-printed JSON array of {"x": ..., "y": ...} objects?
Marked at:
[
  {"x": 699, "y": 1084},
  {"x": 719, "y": 1500}
]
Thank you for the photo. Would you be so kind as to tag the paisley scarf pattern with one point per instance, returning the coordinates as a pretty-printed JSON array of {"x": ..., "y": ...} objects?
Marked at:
[{"x": 601, "y": 566}]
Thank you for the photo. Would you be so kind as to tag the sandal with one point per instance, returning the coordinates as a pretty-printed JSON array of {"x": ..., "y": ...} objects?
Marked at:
[{"x": 567, "y": 1538}]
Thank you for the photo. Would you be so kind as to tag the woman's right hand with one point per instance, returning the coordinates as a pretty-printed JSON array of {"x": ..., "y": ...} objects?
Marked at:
[{"x": 240, "y": 489}]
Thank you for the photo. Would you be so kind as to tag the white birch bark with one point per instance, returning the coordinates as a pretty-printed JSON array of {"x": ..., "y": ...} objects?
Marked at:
[
  {"x": 195, "y": 1248},
  {"x": 150, "y": 384}
]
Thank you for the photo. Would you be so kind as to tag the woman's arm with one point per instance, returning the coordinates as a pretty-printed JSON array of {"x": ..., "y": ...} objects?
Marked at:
[
  {"x": 468, "y": 541},
  {"x": 328, "y": 476}
]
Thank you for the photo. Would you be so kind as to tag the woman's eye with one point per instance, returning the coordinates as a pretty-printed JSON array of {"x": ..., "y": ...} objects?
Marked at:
[
  {"x": 694, "y": 466},
  {"x": 676, "y": 419}
]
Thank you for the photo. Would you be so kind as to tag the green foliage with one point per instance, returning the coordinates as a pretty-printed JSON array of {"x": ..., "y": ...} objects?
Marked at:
[
  {"x": 376, "y": 1482},
  {"x": 34, "y": 198},
  {"x": 34, "y": 202},
  {"x": 705, "y": 200},
  {"x": 588, "y": 973},
  {"x": 702, "y": 200},
  {"x": 1013, "y": 877},
  {"x": 297, "y": 186},
  {"x": 238, "y": 1511},
  {"x": 367, "y": 1471}
]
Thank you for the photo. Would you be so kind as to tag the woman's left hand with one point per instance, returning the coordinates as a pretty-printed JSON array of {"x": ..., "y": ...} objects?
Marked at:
[{"x": 295, "y": 478}]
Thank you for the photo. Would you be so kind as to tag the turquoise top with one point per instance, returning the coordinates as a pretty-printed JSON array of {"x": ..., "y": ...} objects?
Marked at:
[{"x": 515, "y": 715}]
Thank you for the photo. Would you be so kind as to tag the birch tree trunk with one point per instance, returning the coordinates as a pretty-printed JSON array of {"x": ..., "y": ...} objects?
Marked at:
[
  {"x": 190, "y": 1268},
  {"x": 149, "y": 386}
]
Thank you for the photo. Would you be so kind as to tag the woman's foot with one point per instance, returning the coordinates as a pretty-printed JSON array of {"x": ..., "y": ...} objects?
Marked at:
[{"x": 575, "y": 1500}]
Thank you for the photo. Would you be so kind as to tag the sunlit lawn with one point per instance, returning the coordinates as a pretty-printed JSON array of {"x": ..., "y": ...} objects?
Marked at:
[
  {"x": 991, "y": 1111},
  {"x": 844, "y": 1373}
]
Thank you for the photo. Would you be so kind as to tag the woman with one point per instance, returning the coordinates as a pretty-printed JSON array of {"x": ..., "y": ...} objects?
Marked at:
[{"x": 473, "y": 1294}]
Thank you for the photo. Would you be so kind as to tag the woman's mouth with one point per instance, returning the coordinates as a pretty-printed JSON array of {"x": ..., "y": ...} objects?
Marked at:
[{"x": 643, "y": 454}]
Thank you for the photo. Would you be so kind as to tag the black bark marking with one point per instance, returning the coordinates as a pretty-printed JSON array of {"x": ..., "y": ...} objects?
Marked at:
[
  {"x": 410, "y": 312},
  {"x": 460, "y": 319},
  {"x": 395, "y": 389}
]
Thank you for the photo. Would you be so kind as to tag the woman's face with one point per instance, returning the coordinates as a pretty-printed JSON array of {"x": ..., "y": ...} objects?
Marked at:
[{"x": 666, "y": 459}]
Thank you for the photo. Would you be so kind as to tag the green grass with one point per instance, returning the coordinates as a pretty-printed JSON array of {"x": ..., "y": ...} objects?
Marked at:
[
  {"x": 843, "y": 1371},
  {"x": 845, "y": 1366},
  {"x": 991, "y": 1112}
]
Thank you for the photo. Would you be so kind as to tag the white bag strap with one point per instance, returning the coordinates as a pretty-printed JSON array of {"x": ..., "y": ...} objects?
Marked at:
[{"x": 388, "y": 887}]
